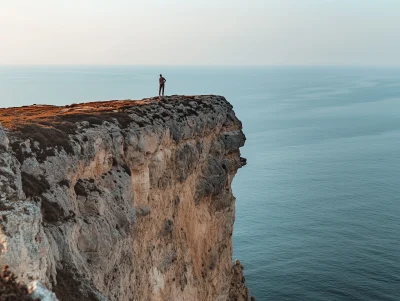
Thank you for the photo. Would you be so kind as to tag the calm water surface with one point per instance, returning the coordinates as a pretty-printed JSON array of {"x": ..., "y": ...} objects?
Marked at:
[{"x": 318, "y": 205}]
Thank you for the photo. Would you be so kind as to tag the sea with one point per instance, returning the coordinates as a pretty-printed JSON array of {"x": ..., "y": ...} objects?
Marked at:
[{"x": 318, "y": 204}]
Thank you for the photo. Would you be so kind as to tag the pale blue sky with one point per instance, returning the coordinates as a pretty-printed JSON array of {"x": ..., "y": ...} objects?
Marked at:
[{"x": 206, "y": 32}]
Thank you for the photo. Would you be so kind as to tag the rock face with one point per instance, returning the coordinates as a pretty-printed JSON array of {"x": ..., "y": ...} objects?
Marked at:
[
  {"x": 238, "y": 290},
  {"x": 121, "y": 200},
  {"x": 39, "y": 292}
]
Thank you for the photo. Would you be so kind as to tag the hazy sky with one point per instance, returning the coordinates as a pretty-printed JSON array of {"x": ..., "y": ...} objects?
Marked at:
[{"x": 200, "y": 32}]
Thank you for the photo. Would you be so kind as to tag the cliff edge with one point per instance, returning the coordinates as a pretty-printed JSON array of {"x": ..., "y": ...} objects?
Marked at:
[{"x": 121, "y": 200}]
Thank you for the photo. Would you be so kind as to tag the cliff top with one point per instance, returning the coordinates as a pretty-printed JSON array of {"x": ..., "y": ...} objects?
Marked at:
[
  {"x": 44, "y": 115},
  {"x": 49, "y": 128}
]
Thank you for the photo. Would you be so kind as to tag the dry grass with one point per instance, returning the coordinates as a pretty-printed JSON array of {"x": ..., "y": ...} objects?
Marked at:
[
  {"x": 51, "y": 126},
  {"x": 45, "y": 115}
]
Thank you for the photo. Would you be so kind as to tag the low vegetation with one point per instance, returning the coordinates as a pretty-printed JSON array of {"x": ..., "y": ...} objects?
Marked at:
[{"x": 10, "y": 289}]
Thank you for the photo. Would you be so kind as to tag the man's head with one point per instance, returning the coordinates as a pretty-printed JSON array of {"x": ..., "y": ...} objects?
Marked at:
[{"x": 160, "y": 75}]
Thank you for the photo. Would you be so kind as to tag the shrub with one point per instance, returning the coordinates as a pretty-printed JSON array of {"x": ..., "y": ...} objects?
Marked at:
[
  {"x": 10, "y": 289},
  {"x": 51, "y": 212},
  {"x": 34, "y": 185},
  {"x": 168, "y": 227}
]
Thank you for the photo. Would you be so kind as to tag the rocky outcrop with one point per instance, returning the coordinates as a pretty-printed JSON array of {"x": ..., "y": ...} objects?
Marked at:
[
  {"x": 238, "y": 290},
  {"x": 39, "y": 292},
  {"x": 121, "y": 200}
]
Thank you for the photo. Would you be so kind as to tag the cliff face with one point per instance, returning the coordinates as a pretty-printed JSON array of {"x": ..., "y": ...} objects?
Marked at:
[{"x": 121, "y": 200}]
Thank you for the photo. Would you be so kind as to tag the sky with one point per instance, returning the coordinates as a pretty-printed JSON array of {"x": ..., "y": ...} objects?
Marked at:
[{"x": 200, "y": 32}]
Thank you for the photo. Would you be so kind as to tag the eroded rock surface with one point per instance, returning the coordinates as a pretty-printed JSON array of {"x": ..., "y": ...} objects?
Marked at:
[
  {"x": 121, "y": 200},
  {"x": 238, "y": 290}
]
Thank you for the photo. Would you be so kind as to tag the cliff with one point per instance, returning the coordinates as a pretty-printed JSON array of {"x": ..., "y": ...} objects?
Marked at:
[{"x": 121, "y": 200}]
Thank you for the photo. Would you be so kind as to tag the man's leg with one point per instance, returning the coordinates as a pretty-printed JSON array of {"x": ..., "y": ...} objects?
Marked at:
[
  {"x": 159, "y": 91},
  {"x": 163, "y": 86}
]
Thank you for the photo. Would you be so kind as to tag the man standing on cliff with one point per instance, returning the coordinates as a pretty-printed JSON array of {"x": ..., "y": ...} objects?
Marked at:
[{"x": 162, "y": 81}]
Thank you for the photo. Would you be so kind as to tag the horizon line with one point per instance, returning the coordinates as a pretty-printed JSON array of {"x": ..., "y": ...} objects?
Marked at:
[{"x": 206, "y": 65}]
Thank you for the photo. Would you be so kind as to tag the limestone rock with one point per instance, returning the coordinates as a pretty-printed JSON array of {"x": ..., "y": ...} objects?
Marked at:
[
  {"x": 121, "y": 200},
  {"x": 38, "y": 291},
  {"x": 238, "y": 290}
]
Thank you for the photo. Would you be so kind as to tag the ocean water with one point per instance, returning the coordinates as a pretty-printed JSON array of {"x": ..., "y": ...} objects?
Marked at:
[{"x": 318, "y": 205}]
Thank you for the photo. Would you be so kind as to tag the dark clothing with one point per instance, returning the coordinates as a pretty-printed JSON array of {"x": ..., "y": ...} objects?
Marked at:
[
  {"x": 162, "y": 81},
  {"x": 161, "y": 89}
]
